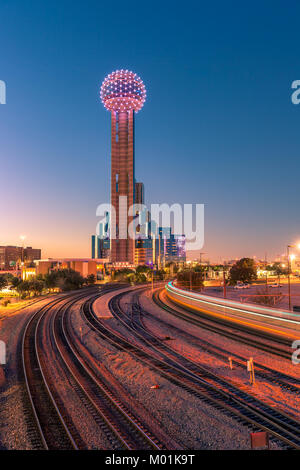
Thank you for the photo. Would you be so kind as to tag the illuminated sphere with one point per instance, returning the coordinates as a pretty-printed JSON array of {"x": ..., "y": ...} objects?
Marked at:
[{"x": 123, "y": 90}]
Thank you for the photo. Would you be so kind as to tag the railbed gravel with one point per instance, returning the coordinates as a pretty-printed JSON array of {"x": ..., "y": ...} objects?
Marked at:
[
  {"x": 14, "y": 433},
  {"x": 187, "y": 419},
  {"x": 89, "y": 430}
]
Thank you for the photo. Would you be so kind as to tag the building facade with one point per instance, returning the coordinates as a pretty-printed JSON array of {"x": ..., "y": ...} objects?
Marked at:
[
  {"x": 100, "y": 248},
  {"x": 139, "y": 193},
  {"x": 144, "y": 251},
  {"x": 84, "y": 266},
  {"x": 123, "y": 94},
  {"x": 13, "y": 256}
]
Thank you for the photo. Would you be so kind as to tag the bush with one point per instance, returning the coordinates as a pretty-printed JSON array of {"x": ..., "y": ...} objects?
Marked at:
[
  {"x": 91, "y": 279},
  {"x": 264, "y": 298},
  {"x": 189, "y": 278}
]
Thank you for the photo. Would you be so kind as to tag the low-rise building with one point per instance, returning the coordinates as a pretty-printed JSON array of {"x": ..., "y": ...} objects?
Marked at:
[
  {"x": 11, "y": 257},
  {"x": 85, "y": 266}
]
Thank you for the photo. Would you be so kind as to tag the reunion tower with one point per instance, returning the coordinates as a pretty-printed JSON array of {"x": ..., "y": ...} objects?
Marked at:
[{"x": 123, "y": 94}]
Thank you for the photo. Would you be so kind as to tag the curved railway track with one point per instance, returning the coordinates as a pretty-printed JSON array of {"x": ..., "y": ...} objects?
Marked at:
[
  {"x": 222, "y": 394},
  {"x": 53, "y": 423},
  {"x": 285, "y": 381},
  {"x": 121, "y": 427},
  {"x": 51, "y": 431}
]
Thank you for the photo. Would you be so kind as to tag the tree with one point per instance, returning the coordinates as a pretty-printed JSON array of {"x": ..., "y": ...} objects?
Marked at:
[
  {"x": 131, "y": 278},
  {"x": 279, "y": 270},
  {"x": 68, "y": 279},
  {"x": 91, "y": 279},
  {"x": 199, "y": 268},
  {"x": 159, "y": 275},
  {"x": 9, "y": 277},
  {"x": 190, "y": 279},
  {"x": 23, "y": 288},
  {"x": 243, "y": 270},
  {"x": 143, "y": 268},
  {"x": 122, "y": 275},
  {"x": 51, "y": 280},
  {"x": 15, "y": 281},
  {"x": 143, "y": 271},
  {"x": 140, "y": 278},
  {"x": 36, "y": 286}
]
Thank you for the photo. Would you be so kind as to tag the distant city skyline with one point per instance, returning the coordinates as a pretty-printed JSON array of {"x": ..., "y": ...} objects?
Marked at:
[{"x": 220, "y": 127}]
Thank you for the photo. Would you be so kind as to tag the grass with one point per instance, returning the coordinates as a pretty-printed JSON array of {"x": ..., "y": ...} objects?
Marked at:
[{"x": 18, "y": 304}]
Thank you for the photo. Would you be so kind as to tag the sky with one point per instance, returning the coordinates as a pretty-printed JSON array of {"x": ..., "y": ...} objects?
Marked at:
[{"x": 218, "y": 127}]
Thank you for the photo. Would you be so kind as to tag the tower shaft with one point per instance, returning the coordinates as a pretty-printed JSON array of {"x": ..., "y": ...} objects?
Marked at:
[{"x": 122, "y": 183}]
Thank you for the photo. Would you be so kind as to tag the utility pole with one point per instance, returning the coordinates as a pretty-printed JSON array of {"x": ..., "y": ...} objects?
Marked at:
[
  {"x": 250, "y": 368},
  {"x": 224, "y": 283},
  {"x": 289, "y": 275},
  {"x": 289, "y": 269},
  {"x": 200, "y": 257}
]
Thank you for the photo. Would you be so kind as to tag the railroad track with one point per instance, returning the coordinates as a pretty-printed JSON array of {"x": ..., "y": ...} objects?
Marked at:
[
  {"x": 54, "y": 428},
  {"x": 231, "y": 400},
  {"x": 50, "y": 430},
  {"x": 218, "y": 325},
  {"x": 121, "y": 427}
]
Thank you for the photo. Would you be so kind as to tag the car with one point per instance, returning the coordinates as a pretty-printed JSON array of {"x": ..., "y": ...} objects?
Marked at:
[
  {"x": 275, "y": 285},
  {"x": 242, "y": 286}
]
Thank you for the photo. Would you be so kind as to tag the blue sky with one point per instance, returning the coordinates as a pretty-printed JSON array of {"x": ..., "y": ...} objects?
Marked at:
[{"x": 218, "y": 126}]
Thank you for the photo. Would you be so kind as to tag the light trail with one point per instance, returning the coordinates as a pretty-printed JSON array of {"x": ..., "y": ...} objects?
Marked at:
[{"x": 232, "y": 307}]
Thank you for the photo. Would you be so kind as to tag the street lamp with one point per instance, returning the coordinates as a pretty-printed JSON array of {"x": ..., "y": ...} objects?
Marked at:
[{"x": 289, "y": 257}]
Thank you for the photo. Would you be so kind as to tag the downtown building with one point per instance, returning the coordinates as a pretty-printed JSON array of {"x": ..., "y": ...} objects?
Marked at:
[
  {"x": 123, "y": 94},
  {"x": 169, "y": 247},
  {"x": 12, "y": 257},
  {"x": 100, "y": 243}
]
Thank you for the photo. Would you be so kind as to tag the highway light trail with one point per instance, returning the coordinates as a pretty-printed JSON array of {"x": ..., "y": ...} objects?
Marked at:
[{"x": 207, "y": 305}]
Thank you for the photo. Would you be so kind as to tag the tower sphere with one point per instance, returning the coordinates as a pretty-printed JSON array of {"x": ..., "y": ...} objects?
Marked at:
[{"x": 123, "y": 90}]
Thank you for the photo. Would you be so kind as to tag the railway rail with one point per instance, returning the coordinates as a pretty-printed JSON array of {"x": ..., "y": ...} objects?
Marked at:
[
  {"x": 205, "y": 385},
  {"x": 50, "y": 430},
  {"x": 225, "y": 328},
  {"x": 122, "y": 428},
  {"x": 54, "y": 428},
  {"x": 285, "y": 381}
]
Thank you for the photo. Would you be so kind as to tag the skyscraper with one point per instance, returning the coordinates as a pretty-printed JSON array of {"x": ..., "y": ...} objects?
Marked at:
[{"x": 123, "y": 94}]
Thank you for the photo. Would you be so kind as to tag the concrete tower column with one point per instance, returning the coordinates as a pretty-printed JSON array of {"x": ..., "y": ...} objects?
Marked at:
[
  {"x": 123, "y": 94},
  {"x": 122, "y": 183}
]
